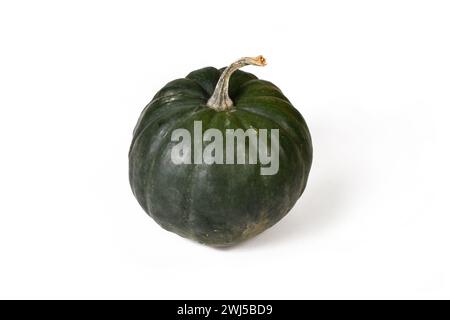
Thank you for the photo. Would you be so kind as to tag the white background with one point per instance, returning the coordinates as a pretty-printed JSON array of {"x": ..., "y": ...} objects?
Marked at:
[{"x": 372, "y": 79}]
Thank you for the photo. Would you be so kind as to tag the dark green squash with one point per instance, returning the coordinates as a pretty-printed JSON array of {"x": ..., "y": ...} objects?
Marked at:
[{"x": 218, "y": 204}]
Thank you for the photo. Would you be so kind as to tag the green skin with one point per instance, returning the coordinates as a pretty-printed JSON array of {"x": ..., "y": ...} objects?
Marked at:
[{"x": 217, "y": 205}]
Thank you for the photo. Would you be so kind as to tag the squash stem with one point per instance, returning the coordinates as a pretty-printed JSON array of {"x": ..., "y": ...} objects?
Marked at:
[{"x": 220, "y": 100}]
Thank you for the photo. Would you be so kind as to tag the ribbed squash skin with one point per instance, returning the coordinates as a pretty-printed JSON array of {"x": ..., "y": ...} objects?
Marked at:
[{"x": 217, "y": 204}]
